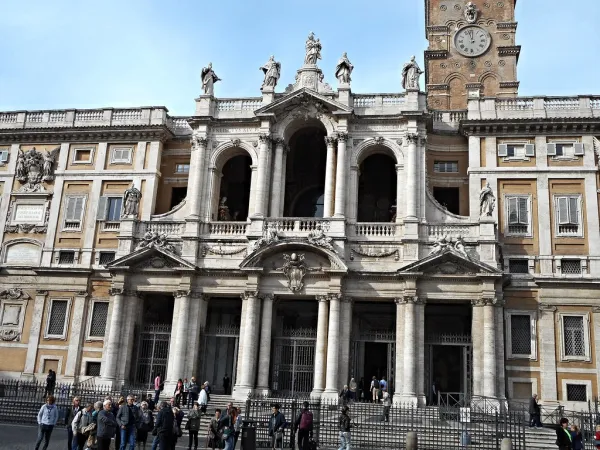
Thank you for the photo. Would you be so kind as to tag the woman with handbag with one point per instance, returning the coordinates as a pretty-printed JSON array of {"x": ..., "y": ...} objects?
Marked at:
[
  {"x": 178, "y": 392},
  {"x": 146, "y": 425},
  {"x": 177, "y": 433},
  {"x": 193, "y": 425},
  {"x": 214, "y": 434},
  {"x": 227, "y": 423}
]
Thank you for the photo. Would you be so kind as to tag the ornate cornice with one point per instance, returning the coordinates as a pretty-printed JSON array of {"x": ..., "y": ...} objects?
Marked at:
[
  {"x": 438, "y": 87},
  {"x": 436, "y": 54},
  {"x": 549, "y": 126},
  {"x": 510, "y": 50},
  {"x": 95, "y": 134},
  {"x": 509, "y": 84}
]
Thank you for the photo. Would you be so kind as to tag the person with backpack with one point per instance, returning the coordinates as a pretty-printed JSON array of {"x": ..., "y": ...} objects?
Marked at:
[
  {"x": 146, "y": 425},
  {"x": 46, "y": 419},
  {"x": 193, "y": 426},
  {"x": 79, "y": 426},
  {"x": 304, "y": 427}
]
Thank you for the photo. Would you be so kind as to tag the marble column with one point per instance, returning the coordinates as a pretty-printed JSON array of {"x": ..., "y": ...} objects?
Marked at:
[
  {"x": 400, "y": 189},
  {"x": 321, "y": 348},
  {"x": 199, "y": 310},
  {"x": 253, "y": 182},
  {"x": 264, "y": 355},
  {"x": 409, "y": 391},
  {"x": 240, "y": 352},
  {"x": 477, "y": 337},
  {"x": 500, "y": 358},
  {"x": 196, "y": 175},
  {"x": 340, "y": 176},
  {"x": 277, "y": 188},
  {"x": 179, "y": 338},
  {"x": 132, "y": 312},
  {"x": 34, "y": 332},
  {"x": 260, "y": 209},
  {"x": 329, "y": 177},
  {"x": 250, "y": 346},
  {"x": 77, "y": 336},
  {"x": 412, "y": 168},
  {"x": 420, "y": 350},
  {"x": 345, "y": 334},
  {"x": 489, "y": 348},
  {"x": 111, "y": 356},
  {"x": 333, "y": 348},
  {"x": 399, "y": 369},
  {"x": 286, "y": 150},
  {"x": 547, "y": 352}
]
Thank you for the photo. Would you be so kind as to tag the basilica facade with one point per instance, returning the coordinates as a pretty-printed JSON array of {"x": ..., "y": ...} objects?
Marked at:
[{"x": 444, "y": 234}]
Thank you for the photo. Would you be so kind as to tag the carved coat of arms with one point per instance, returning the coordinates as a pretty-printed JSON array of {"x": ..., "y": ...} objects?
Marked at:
[
  {"x": 34, "y": 167},
  {"x": 294, "y": 269}
]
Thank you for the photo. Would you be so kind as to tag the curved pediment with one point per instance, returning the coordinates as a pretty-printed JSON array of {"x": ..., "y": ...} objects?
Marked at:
[{"x": 314, "y": 256}]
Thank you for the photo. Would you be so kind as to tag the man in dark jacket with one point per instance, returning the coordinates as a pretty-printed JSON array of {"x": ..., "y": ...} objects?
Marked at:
[
  {"x": 534, "y": 412},
  {"x": 69, "y": 416},
  {"x": 344, "y": 424},
  {"x": 163, "y": 426},
  {"x": 304, "y": 426},
  {"x": 128, "y": 418},
  {"x": 106, "y": 426},
  {"x": 563, "y": 435},
  {"x": 276, "y": 425}
]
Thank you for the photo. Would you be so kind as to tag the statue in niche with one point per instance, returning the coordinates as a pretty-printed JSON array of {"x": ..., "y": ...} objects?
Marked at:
[
  {"x": 209, "y": 78},
  {"x": 440, "y": 245},
  {"x": 131, "y": 202},
  {"x": 294, "y": 269},
  {"x": 272, "y": 71},
  {"x": 410, "y": 75},
  {"x": 224, "y": 210},
  {"x": 471, "y": 12},
  {"x": 487, "y": 201},
  {"x": 313, "y": 49},
  {"x": 319, "y": 238},
  {"x": 344, "y": 69}
]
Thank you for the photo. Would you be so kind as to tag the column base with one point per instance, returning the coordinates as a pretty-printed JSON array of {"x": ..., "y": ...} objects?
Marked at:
[
  {"x": 264, "y": 391},
  {"x": 316, "y": 394},
  {"x": 407, "y": 399},
  {"x": 489, "y": 405},
  {"x": 241, "y": 393},
  {"x": 330, "y": 395},
  {"x": 112, "y": 384}
]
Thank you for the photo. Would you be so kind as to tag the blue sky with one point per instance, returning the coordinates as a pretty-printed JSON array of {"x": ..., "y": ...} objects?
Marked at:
[{"x": 85, "y": 54}]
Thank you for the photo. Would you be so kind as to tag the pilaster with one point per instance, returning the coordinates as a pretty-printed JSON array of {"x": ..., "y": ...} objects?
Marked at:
[
  {"x": 321, "y": 347},
  {"x": 77, "y": 335},
  {"x": 329, "y": 177},
  {"x": 34, "y": 333},
  {"x": 333, "y": 348},
  {"x": 547, "y": 352},
  {"x": 264, "y": 355}
]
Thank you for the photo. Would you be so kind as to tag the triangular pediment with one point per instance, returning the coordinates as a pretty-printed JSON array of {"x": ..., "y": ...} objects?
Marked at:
[
  {"x": 151, "y": 258},
  {"x": 449, "y": 262},
  {"x": 302, "y": 98}
]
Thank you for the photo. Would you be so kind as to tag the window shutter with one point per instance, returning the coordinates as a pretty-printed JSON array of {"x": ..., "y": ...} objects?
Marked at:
[
  {"x": 574, "y": 210},
  {"x": 563, "y": 210},
  {"x": 578, "y": 147},
  {"x": 70, "y": 213},
  {"x": 513, "y": 212},
  {"x": 529, "y": 150},
  {"x": 4, "y": 156},
  {"x": 551, "y": 149},
  {"x": 523, "y": 213},
  {"x": 102, "y": 208},
  {"x": 78, "y": 208},
  {"x": 502, "y": 149}
]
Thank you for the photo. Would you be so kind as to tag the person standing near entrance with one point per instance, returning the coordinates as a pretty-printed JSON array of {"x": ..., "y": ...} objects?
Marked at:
[
  {"x": 128, "y": 419},
  {"x": 46, "y": 419},
  {"x": 304, "y": 426},
  {"x": 158, "y": 387},
  {"x": 226, "y": 384},
  {"x": 383, "y": 384},
  {"x": 344, "y": 424},
  {"x": 374, "y": 389},
  {"x": 353, "y": 386},
  {"x": 434, "y": 394},
  {"x": 534, "y": 412}
]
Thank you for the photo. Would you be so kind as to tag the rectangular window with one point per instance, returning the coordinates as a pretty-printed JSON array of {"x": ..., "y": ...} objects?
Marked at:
[
  {"x": 92, "y": 369},
  {"x": 565, "y": 150},
  {"x": 66, "y": 257},
  {"x": 520, "y": 334},
  {"x": 574, "y": 336},
  {"x": 98, "y": 320},
  {"x": 182, "y": 168},
  {"x": 106, "y": 258},
  {"x": 121, "y": 155},
  {"x": 518, "y": 265},
  {"x": 57, "y": 318},
  {"x": 570, "y": 266},
  {"x": 113, "y": 208},
  {"x": 576, "y": 392},
  {"x": 73, "y": 214},
  {"x": 3, "y": 156},
  {"x": 517, "y": 214},
  {"x": 568, "y": 215},
  {"x": 445, "y": 166},
  {"x": 82, "y": 155},
  {"x": 517, "y": 150}
]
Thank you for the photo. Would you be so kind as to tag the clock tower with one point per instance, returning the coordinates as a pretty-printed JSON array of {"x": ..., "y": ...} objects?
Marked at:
[{"x": 472, "y": 51}]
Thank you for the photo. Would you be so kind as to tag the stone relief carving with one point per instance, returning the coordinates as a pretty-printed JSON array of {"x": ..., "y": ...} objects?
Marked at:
[
  {"x": 441, "y": 245},
  {"x": 294, "y": 269},
  {"x": 270, "y": 235},
  {"x": 10, "y": 335},
  {"x": 152, "y": 239},
  {"x": 319, "y": 238},
  {"x": 223, "y": 250},
  {"x": 459, "y": 246},
  {"x": 33, "y": 167},
  {"x": 14, "y": 294},
  {"x": 209, "y": 78},
  {"x": 344, "y": 69},
  {"x": 410, "y": 75},
  {"x": 14, "y": 302},
  {"x": 313, "y": 49},
  {"x": 445, "y": 243},
  {"x": 374, "y": 252},
  {"x": 471, "y": 13},
  {"x": 131, "y": 202},
  {"x": 272, "y": 71},
  {"x": 487, "y": 201}
]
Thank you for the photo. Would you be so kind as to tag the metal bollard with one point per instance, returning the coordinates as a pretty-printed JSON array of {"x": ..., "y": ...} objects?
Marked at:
[
  {"x": 412, "y": 442},
  {"x": 506, "y": 444}
]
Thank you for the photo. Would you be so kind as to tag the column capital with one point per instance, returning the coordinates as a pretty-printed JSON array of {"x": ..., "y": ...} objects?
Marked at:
[
  {"x": 412, "y": 138},
  {"x": 335, "y": 296},
  {"x": 330, "y": 140},
  {"x": 182, "y": 293},
  {"x": 131, "y": 293},
  {"x": 84, "y": 294},
  {"x": 116, "y": 291},
  {"x": 279, "y": 142},
  {"x": 248, "y": 294},
  {"x": 265, "y": 138},
  {"x": 405, "y": 299},
  {"x": 199, "y": 295},
  {"x": 199, "y": 140},
  {"x": 342, "y": 136},
  {"x": 267, "y": 296},
  {"x": 487, "y": 301},
  {"x": 347, "y": 299},
  {"x": 322, "y": 298}
]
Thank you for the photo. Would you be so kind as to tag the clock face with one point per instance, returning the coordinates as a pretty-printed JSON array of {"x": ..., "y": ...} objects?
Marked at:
[{"x": 472, "y": 41}]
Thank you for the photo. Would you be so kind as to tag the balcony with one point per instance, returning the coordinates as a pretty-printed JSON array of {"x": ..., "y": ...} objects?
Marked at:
[
  {"x": 373, "y": 104},
  {"x": 534, "y": 107}
]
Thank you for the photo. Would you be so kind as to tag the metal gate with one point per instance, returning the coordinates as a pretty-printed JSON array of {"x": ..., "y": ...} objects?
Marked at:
[
  {"x": 294, "y": 361},
  {"x": 357, "y": 354},
  {"x": 152, "y": 352},
  {"x": 219, "y": 356}
]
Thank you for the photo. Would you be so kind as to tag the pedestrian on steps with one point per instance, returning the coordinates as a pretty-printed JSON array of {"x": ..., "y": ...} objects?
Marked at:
[
  {"x": 193, "y": 426},
  {"x": 203, "y": 400}
]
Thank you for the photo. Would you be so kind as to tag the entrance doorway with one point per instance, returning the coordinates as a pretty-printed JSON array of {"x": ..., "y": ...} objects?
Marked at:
[{"x": 376, "y": 359}]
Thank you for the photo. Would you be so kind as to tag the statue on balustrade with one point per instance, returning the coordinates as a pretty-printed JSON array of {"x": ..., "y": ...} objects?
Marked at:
[
  {"x": 272, "y": 71},
  {"x": 459, "y": 246},
  {"x": 223, "y": 210},
  {"x": 313, "y": 49},
  {"x": 209, "y": 78},
  {"x": 319, "y": 238},
  {"x": 440, "y": 245},
  {"x": 344, "y": 69},
  {"x": 410, "y": 75},
  {"x": 487, "y": 201},
  {"x": 131, "y": 202}
]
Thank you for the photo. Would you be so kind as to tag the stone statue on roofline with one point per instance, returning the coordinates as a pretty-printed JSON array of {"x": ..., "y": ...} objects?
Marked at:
[
  {"x": 410, "y": 75},
  {"x": 131, "y": 202},
  {"x": 209, "y": 78},
  {"x": 343, "y": 70},
  {"x": 272, "y": 71},
  {"x": 313, "y": 49}
]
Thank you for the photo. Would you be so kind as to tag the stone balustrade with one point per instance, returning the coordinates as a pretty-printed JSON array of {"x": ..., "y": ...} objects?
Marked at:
[
  {"x": 376, "y": 230},
  {"x": 372, "y": 103},
  {"x": 236, "y": 107},
  {"x": 294, "y": 226},
  {"x": 533, "y": 107},
  {"x": 448, "y": 120},
  {"x": 221, "y": 229},
  {"x": 437, "y": 230},
  {"x": 84, "y": 118},
  {"x": 110, "y": 226},
  {"x": 170, "y": 229}
]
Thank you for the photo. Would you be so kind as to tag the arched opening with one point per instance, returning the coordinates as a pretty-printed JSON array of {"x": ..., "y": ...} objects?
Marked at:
[
  {"x": 377, "y": 189},
  {"x": 458, "y": 93},
  {"x": 234, "y": 192},
  {"x": 491, "y": 86},
  {"x": 305, "y": 173}
]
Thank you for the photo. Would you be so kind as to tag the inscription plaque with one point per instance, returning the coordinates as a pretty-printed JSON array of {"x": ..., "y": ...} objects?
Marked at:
[
  {"x": 23, "y": 254},
  {"x": 29, "y": 213}
]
